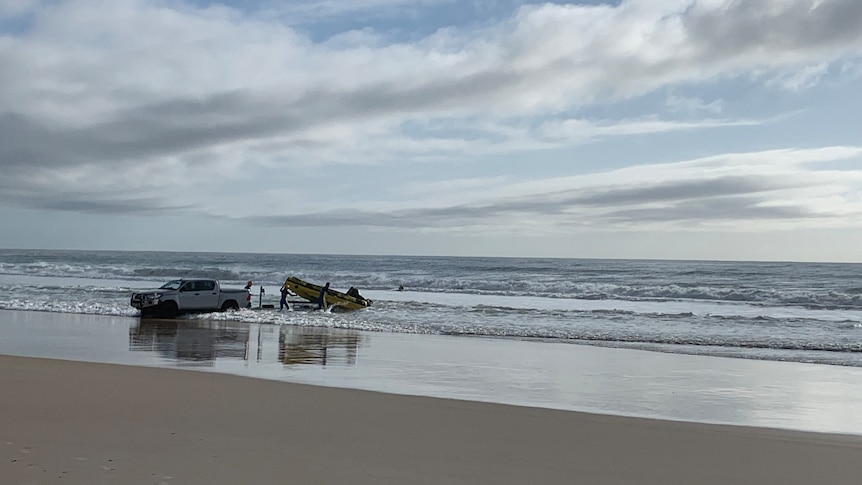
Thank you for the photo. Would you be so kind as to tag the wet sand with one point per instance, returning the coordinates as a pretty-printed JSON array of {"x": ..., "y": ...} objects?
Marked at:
[
  {"x": 742, "y": 392},
  {"x": 75, "y": 422}
]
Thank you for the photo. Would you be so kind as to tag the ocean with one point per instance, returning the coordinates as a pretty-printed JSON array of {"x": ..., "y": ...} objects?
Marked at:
[{"x": 782, "y": 311}]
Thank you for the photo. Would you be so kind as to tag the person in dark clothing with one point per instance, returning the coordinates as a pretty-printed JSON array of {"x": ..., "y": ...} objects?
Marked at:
[
  {"x": 321, "y": 298},
  {"x": 284, "y": 292},
  {"x": 354, "y": 292}
]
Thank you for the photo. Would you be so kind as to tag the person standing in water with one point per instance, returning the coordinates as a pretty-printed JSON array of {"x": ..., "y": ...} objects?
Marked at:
[
  {"x": 321, "y": 298},
  {"x": 284, "y": 292}
]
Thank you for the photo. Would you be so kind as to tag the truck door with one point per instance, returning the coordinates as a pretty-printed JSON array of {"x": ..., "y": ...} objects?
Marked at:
[
  {"x": 198, "y": 295},
  {"x": 189, "y": 295},
  {"x": 208, "y": 295}
]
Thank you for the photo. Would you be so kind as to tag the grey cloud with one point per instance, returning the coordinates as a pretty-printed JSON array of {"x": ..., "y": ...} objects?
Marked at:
[
  {"x": 408, "y": 219},
  {"x": 25, "y": 142},
  {"x": 137, "y": 134},
  {"x": 741, "y": 36},
  {"x": 665, "y": 192},
  {"x": 719, "y": 209},
  {"x": 182, "y": 125},
  {"x": 22, "y": 194},
  {"x": 724, "y": 198},
  {"x": 135, "y": 206},
  {"x": 746, "y": 26}
]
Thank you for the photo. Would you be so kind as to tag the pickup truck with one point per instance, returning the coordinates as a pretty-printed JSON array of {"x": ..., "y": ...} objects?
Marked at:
[{"x": 189, "y": 296}]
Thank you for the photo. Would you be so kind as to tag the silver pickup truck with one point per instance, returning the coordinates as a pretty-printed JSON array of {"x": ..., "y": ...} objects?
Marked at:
[{"x": 189, "y": 296}]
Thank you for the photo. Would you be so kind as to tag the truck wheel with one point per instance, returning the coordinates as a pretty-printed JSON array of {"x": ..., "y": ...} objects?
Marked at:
[
  {"x": 168, "y": 309},
  {"x": 229, "y": 305}
]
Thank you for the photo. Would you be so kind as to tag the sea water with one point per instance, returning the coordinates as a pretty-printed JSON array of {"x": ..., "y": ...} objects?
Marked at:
[{"x": 802, "y": 312}]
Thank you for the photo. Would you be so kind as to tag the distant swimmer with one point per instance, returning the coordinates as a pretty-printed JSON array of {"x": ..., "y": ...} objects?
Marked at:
[{"x": 401, "y": 288}]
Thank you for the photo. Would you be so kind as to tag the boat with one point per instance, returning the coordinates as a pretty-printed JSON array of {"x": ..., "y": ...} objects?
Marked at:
[{"x": 310, "y": 292}]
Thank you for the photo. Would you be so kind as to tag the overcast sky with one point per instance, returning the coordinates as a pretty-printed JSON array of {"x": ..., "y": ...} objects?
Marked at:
[{"x": 682, "y": 129}]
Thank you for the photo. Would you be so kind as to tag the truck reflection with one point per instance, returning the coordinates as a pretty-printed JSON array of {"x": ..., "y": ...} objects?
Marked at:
[
  {"x": 202, "y": 342},
  {"x": 190, "y": 342}
]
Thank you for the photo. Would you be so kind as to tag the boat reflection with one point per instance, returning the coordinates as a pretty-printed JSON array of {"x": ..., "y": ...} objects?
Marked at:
[
  {"x": 202, "y": 342},
  {"x": 321, "y": 347}
]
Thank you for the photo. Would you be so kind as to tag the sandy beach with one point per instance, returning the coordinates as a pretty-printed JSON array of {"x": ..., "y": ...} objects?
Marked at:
[{"x": 75, "y": 422}]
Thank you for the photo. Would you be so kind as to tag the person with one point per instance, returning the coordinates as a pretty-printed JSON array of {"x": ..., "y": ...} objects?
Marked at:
[
  {"x": 321, "y": 298},
  {"x": 354, "y": 292},
  {"x": 401, "y": 288},
  {"x": 284, "y": 292},
  {"x": 248, "y": 289}
]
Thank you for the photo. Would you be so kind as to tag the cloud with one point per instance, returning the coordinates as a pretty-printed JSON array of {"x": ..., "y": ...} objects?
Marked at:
[
  {"x": 573, "y": 129},
  {"x": 14, "y": 8},
  {"x": 693, "y": 105},
  {"x": 300, "y": 12},
  {"x": 162, "y": 98},
  {"x": 128, "y": 206},
  {"x": 755, "y": 190},
  {"x": 851, "y": 70},
  {"x": 797, "y": 81},
  {"x": 769, "y": 32},
  {"x": 544, "y": 55}
]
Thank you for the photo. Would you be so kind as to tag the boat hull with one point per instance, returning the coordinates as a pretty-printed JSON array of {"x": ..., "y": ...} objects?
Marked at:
[{"x": 310, "y": 292}]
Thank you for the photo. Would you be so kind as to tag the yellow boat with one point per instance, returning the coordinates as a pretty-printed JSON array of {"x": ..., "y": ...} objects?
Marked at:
[{"x": 310, "y": 292}]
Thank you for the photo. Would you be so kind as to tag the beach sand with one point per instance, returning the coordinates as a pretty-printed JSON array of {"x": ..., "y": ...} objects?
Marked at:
[{"x": 74, "y": 422}]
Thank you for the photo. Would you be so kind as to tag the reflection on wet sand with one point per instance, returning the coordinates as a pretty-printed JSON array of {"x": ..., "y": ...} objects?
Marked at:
[
  {"x": 190, "y": 342},
  {"x": 201, "y": 342},
  {"x": 320, "y": 348}
]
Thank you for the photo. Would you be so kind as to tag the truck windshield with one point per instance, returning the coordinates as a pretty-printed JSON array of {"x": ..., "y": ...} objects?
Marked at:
[{"x": 171, "y": 285}]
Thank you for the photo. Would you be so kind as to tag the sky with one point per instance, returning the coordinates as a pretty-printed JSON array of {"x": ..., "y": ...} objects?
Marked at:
[{"x": 658, "y": 129}]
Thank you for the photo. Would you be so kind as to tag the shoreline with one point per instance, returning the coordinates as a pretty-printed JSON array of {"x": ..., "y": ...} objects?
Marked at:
[{"x": 83, "y": 422}]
